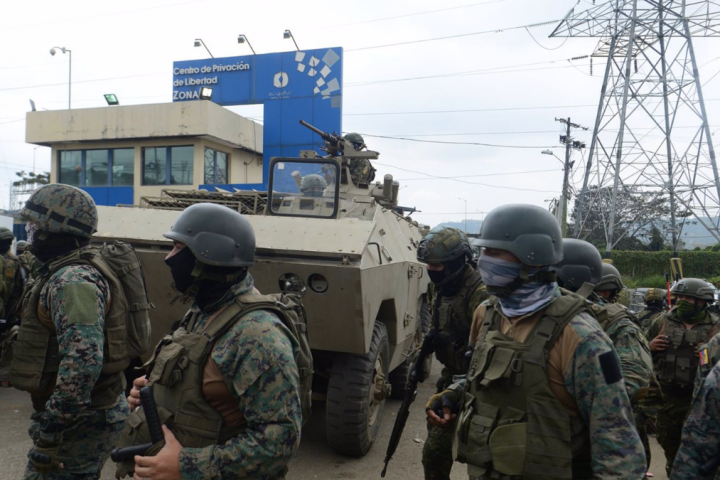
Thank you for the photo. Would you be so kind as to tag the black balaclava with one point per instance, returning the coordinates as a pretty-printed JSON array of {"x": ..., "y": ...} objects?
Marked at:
[
  {"x": 205, "y": 291},
  {"x": 5, "y": 246},
  {"x": 449, "y": 280},
  {"x": 55, "y": 245}
]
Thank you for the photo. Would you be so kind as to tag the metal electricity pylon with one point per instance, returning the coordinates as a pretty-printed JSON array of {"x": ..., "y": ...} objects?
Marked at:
[{"x": 651, "y": 136}]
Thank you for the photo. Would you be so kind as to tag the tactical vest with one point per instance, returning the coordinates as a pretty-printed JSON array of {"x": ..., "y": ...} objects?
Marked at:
[
  {"x": 36, "y": 359},
  {"x": 676, "y": 366},
  {"x": 454, "y": 326},
  {"x": 177, "y": 377},
  {"x": 512, "y": 426}
]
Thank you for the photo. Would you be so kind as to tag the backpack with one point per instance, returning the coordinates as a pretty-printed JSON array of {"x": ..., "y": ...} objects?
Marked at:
[{"x": 125, "y": 265}]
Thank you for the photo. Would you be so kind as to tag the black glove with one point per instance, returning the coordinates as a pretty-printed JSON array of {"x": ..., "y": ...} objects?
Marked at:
[{"x": 44, "y": 455}]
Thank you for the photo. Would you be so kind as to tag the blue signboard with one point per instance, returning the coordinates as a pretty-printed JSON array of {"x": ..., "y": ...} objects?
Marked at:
[{"x": 292, "y": 86}]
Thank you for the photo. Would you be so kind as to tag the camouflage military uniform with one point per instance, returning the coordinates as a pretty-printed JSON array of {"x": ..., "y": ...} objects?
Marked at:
[
  {"x": 584, "y": 376},
  {"x": 76, "y": 298},
  {"x": 30, "y": 264},
  {"x": 12, "y": 278},
  {"x": 255, "y": 357},
  {"x": 676, "y": 400},
  {"x": 701, "y": 433},
  {"x": 437, "y": 452},
  {"x": 360, "y": 169},
  {"x": 646, "y": 316}
]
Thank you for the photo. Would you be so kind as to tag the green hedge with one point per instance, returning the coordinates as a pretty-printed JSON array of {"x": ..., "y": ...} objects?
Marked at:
[{"x": 702, "y": 264}]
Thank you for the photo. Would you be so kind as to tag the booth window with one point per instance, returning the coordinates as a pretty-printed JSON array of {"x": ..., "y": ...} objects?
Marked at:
[
  {"x": 215, "y": 167},
  {"x": 97, "y": 168},
  {"x": 168, "y": 165}
]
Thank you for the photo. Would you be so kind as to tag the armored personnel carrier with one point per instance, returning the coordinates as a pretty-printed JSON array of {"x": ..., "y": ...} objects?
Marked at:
[{"x": 325, "y": 230}]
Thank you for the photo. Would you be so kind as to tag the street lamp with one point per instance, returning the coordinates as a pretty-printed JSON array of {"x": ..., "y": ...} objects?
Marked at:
[
  {"x": 244, "y": 39},
  {"x": 288, "y": 34},
  {"x": 53, "y": 51},
  {"x": 199, "y": 43},
  {"x": 465, "y": 212}
]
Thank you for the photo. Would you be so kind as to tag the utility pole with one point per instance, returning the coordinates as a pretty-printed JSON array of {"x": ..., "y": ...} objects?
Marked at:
[{"x": 569, "y": 145}]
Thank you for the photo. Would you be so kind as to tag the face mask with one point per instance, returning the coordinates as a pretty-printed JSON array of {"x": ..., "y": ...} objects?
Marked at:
[
  {"x": 32, "y": 231},
  {"x": 526, "y": 297},
  {"x": 449, "y": 278},
  {"x": 689, "y": 312},
  {"x": 181, "y": 266}
]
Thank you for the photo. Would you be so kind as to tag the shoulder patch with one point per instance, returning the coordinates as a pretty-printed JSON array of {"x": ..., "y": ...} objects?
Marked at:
[
  {"x": 610, "y": 367},
  {"x": 81, "y": 305}
]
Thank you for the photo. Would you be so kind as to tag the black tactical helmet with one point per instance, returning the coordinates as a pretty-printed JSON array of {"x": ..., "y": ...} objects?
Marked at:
[
  {"x": 530, "y": 233},
  {"x": 581, "y": 263},
  {"x": 443, "y": 244},
  {"x": 611, "y": 279},
  {"x": 216, "y": 235},
  {"x": 694, "y": 287}
]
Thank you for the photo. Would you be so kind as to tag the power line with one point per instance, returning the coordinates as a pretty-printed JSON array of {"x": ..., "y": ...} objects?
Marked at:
[
  {"x": 473, "y": 176},
  {"x": 417, "y": 14},
  {"x": 461, "y": 35},
  {"x": 463, "y": 181},
  {"x": 491, "y": 71},
  {"x": 454, "y": 143}
]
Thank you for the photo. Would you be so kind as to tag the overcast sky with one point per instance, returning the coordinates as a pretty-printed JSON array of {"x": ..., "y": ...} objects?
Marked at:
[{"x": 512, "y": 86}]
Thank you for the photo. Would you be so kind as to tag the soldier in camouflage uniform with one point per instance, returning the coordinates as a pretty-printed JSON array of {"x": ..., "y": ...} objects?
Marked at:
[
  {"x": 544, "y": 396},
  {"x": 654, "y": 305},
  {"x": 12, "y": 276},
  {"x": 247, "y": 410},
  {"x": 78, "y": 397},
  {"x": 582, "y": 268},
  {"x": 29, "y": 264},
  {"x": 361, "y": 170},
  {"x": 455, "y": 293},
  {"x": 701, "y": 433},
  {"x": 676, "y": 339}
]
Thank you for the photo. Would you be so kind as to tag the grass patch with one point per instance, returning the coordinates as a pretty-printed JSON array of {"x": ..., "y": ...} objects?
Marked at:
[{"x": 653, "y": 281}]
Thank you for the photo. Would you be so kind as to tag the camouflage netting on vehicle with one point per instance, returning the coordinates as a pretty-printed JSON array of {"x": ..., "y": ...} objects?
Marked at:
[{"x": 245, "y": 202}]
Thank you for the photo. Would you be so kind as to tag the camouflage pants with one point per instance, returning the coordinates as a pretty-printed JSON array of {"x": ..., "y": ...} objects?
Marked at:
[
  {"x": 641, "y": 420},
  {"x": 437, "y": 456},
  {"x": 84, "y": 449},
  {"x": 670, "y": 419}
]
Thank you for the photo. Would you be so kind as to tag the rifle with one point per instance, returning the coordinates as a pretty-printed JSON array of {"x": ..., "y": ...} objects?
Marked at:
[
  {"x": 152, "y": 419},
  {"x": 427, "y": 348}
]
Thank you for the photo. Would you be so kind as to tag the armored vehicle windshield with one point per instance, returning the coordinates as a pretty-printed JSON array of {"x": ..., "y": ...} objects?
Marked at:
[{"x": 303, "y": 188}]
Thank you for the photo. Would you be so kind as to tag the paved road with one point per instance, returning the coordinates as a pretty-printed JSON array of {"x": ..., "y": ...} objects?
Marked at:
[{"x": 314, "y": 461}]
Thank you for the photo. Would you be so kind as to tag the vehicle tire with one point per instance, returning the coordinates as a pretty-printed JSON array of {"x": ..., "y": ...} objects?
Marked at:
[
  {"x": 399, "y": 376},
  {"x": 356, "y": 396}
]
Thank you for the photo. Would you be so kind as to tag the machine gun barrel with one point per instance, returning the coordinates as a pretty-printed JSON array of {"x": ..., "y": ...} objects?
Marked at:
[
  {"x": 152, "y": 420},
  {"x": 328, "y": 137},
  {"x": 428, "y": 347}
]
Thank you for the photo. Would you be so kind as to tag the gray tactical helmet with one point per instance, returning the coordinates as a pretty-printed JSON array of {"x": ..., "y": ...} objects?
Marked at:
[
  {"x": 313, "y": 185},
  {"x": 581, "y": 263},
  {"x": 6, "y": 234},
  {"x": 694, "y": 287},
  {"x": 530, "y": 233},
  {"x": 611, "y": 279},
  {"x": 216, "y": 235},
  {"x": 356, "y": 140}
]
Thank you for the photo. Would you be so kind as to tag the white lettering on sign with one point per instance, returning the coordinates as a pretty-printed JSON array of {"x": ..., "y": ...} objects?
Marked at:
[
  {"x": 188, "y": 82},
  {"x": 186, "y": 95},
  {"x": 235, "y": 67}
]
